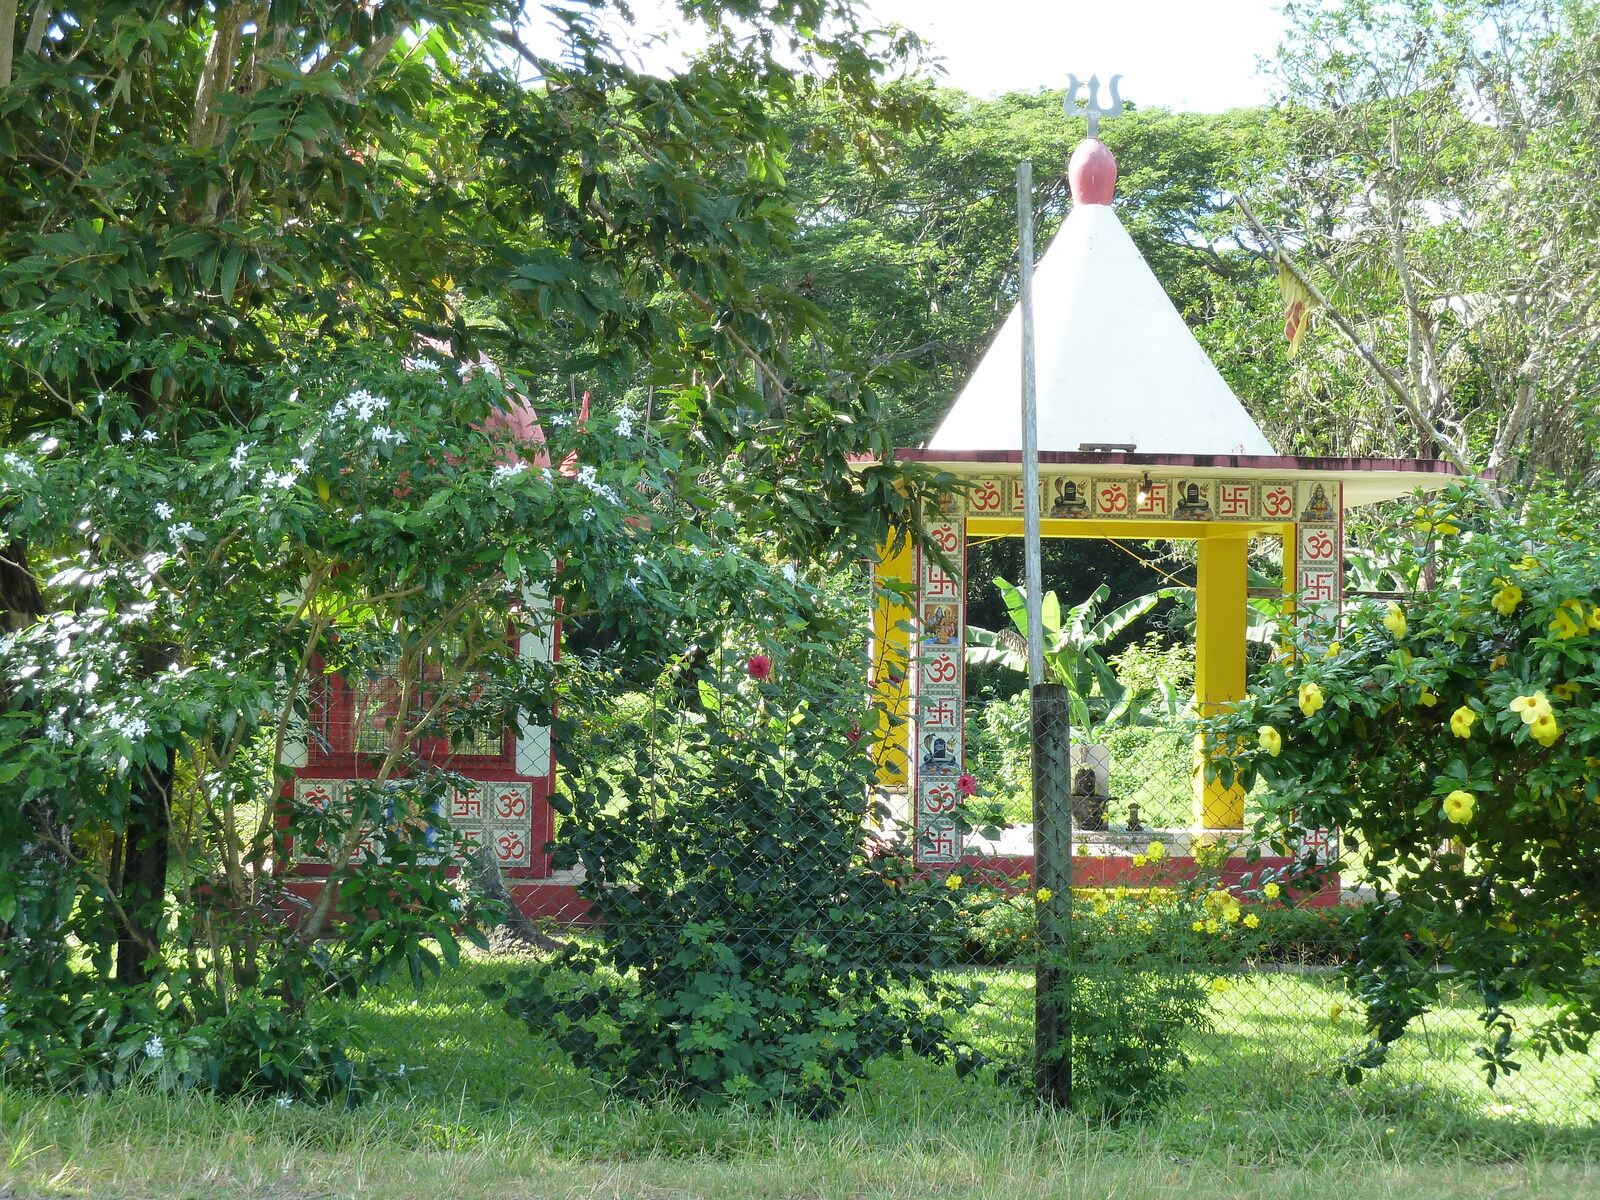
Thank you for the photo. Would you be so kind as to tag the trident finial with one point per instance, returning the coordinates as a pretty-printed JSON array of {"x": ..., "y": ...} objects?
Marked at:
[{"x": 1092, "y": 109}]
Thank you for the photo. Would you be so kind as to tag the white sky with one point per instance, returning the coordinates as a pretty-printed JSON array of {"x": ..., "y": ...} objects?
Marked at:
[{"x": 1188, "y": 55}]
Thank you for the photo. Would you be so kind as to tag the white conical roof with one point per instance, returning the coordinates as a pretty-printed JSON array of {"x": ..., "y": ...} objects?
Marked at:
[{"x": 1115, "y": 363}]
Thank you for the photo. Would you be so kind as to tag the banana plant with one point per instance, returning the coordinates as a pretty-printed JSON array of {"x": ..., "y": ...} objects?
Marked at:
[{"x": 1072, "y": 645}]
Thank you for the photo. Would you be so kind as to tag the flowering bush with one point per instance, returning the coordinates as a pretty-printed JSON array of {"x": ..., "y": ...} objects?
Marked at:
[
  {"x": 756, "y": 942},
  {"x": 1457, "y": 745}
]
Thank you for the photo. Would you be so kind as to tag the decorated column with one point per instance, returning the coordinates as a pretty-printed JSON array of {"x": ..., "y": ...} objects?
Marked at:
[{"x": 935, "y": 741}]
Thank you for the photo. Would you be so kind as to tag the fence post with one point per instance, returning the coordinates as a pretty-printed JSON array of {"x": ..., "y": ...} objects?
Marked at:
[{"x": 1052, "y": 858}]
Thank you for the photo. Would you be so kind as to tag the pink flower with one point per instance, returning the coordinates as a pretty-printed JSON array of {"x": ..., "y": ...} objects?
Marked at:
[
  {"x": 967, "y": 785},
  {"x": 854, "y": 735},
  {"x": 760, "y": 668}
]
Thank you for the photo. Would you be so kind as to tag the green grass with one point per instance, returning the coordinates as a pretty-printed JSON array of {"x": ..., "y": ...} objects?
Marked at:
[{"x": 487, "y": 1111}]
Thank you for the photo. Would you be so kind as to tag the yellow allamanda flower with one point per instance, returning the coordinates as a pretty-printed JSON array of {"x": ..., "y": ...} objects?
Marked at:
[
  {"x": 1567, "y": 691},
  {"x": 1334, "y": 647},
  {"x": 1507, "y": 598},
  {"x": 1270, "y": 740},
  {"x": 1395, "y": 620},
  {"x": 1335, "y": 1011},
  {"x": 1545, "y": 731},
  {"x": 1569, "y": 621},
  {"x": 1461, "y": 721},
  {"x": 1593, "y": 619},
  {"x": 1531, "y": 708},
  {"x": 1428, "y": 698},
  {"x": 1458, "y": 806},
  {"x": 1310, "y": 698}
]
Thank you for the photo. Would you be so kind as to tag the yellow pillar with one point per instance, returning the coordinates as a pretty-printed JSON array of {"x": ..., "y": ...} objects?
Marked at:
[
  {"x": 1219, "y": 668},
  {"x": 891, "y": 657}
]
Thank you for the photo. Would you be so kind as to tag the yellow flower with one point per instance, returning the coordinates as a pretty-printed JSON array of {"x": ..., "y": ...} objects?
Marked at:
[
  {"x": 1270, "y": 741},
  {"x": 1198, "y": 926},
  {"x": 1212, "y": 927},
  {"x": 1310, "y": 698},
  {"x": 1429, "y": 521},
  {"x": 1461, "y": 721},
  {"x": 1083, "y": 849},
  {"x": 1042, "y": 895},
  {"x": 1395, "y": 620},
  {"x": 1252, "y": 921},
  {"x": 1335, "y": 1011},
  {"x": 1139, "y": 860},
  {"x": 1428, "y": 698},
  {"x": 1155, "y": 851},
  {"x": 1528, "y": 563},
  {"x": 952, "y": 882},
  {"x": 1545, "y": 731},
  {"x": 1458, "y": 806},
  {"x": 1567, "y": 691},
  {"x": 1100, "y": 907},
  {"x": 1593, "y": 619},
  {"x": 1272, "y": 891},
  {"x": 1507, "y": 598},
  {"x": 1219, "y": 985},
  {"x": 1332, "y": 651},
  {"x": 1531, "y": 707},
  {"x": 1567, "y": 625}
]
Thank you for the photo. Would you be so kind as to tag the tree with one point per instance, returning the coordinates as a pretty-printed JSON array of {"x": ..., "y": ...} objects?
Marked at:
[
  {"x": 1452, "y": 738},
  {"x": 205, "y": 209},
  {"x": 1437, "y": 188}
]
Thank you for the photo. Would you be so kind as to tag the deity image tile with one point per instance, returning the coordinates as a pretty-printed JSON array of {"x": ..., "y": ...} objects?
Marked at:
[
  {"x": 1068, "y": 498},
  {"x": 941, "y": 624},
  {"x": 1318, "y": 508},
  {"x": 941, "y": 754},
  {"x": 1194, "y": 502}
]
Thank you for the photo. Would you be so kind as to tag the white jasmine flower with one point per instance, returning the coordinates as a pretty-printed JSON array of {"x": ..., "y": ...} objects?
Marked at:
[
  {"x": 586, "y": 476},
  {"x": 149, "y": 435},
  {"x": 2, "y": 1008},
  {"x": 633, "y": 581},
  {"x": 560, "y": 420},
  {"x": 56, "y": 734},
  {"x": 639, "y": 560},
  {"x": 625, "y": 424},
  {"x": 419, "y": 364},
  {"x": 236, "y": 460},
  {"x": 788, "y": 571},
  {"x": 463, "y": 370},
  {"x": 127, "y": 436},
  {"x": 588, "y": 514},
  {"x": 163, "y": 510},
  {"x": 182, "y": 530},
  {"x": 136, "y": 727},
  {"x": 507, "y": 470},
  {"x": 283, "y": 1101},
  {"x": 153, "y": 1048},
  {"x": 299, "y": 466},
  {"x": 19, "y": 464},
  {"x": 456, "y": 905},
  {"x": 284, "y": 481},
  {"x": 360, "y": 402},
  {"x": 382, "y": 433}
]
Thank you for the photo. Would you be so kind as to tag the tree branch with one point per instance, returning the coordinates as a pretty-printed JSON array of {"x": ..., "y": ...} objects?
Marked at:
[{"x": 1396, "y": 388}]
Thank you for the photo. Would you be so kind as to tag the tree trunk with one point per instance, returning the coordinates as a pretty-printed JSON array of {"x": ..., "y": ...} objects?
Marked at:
[{"x": 142, "y": 855}]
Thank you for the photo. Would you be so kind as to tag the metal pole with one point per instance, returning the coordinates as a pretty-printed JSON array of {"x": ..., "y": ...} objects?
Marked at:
[
  {"x": 1032, "y": 581},
  {"x": 1052, "y": 869},
  {"x": 1051, "y": 733}
]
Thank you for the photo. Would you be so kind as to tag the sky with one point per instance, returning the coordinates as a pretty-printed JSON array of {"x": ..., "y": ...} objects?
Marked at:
[{"x": 1187, "y": 55}]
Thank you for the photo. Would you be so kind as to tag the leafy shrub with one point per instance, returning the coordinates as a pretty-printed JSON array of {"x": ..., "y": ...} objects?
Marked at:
[
  {"x": 1455, "y": 738},
  {"x": 750, "y": 948}
]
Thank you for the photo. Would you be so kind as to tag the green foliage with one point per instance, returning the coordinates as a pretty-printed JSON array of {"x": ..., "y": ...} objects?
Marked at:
[
  {"x": 1453, "y": 739},
  {"x": 1072, "y": 644},
  {"x": 752, "y": 946}
]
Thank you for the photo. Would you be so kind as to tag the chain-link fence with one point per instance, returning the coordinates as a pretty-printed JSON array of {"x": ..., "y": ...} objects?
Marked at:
[{"x": 762, "y": 931}]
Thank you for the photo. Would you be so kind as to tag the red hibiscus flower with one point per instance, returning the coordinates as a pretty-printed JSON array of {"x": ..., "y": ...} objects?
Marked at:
[
  {"x": 967, "y": 785},
  {"x": 760, "y": 668}
]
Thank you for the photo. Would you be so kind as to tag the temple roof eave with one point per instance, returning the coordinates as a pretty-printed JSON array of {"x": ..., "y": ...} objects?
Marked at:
[{"x": 1366, "y": 480}]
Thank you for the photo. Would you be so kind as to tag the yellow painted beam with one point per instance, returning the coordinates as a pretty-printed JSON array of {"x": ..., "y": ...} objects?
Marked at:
[
  {"x": 979, "y": 528},
  {"x": 1219, "y": 667},
  {"x": 891, "y": 655}
]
